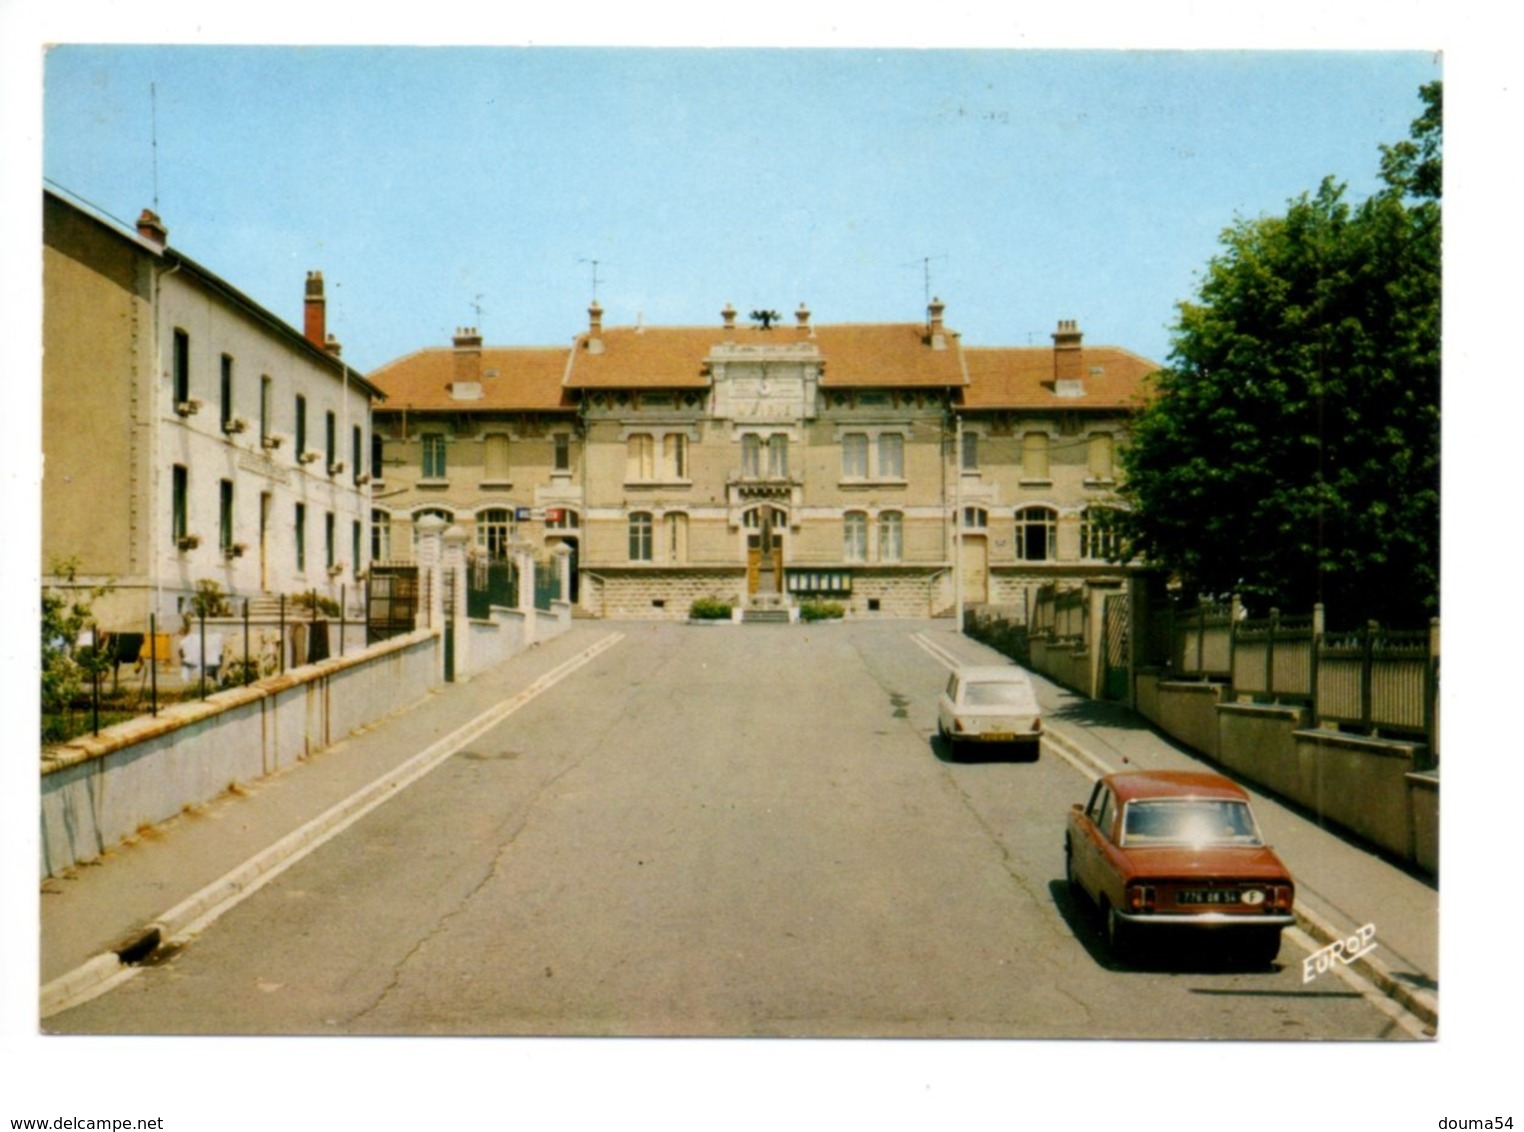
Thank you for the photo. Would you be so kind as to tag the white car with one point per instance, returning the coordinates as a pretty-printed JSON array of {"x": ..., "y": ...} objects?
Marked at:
[{"x": 989, "y": 704}]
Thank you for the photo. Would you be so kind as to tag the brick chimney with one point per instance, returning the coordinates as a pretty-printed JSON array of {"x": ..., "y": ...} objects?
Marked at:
[
  {"x": 595, "y": 328},
  {"x": 803, "y": 315},
  {"x": 152, "y": 229},
  {"x": 315, "y": 314},
  {"x": 729, "y": 315},
  {"x": 936, "y": 336},
  {"x": 1068, "y": 360},
  {"x": 468, "y": 356}
]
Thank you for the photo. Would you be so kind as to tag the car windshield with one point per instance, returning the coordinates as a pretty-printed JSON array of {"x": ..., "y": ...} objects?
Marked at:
[
  {"x": 1189, "y": 821},
  {"x": 1002, "y": 693}
]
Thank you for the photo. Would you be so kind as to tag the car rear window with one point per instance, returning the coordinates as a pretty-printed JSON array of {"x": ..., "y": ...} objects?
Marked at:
[
  {"x": 1001, "y": 693},
  {"x": 1189, "y": 822}
]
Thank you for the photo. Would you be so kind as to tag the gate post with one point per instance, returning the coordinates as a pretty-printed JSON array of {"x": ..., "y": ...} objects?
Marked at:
[
  {"x": 522, "y": 554},
  {"x": 430, "y": 559},
  {"x": 455, "y": 614}
]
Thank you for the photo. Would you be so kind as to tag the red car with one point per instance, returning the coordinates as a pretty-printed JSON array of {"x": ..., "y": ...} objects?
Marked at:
[{"x": 1157, "y": 849}]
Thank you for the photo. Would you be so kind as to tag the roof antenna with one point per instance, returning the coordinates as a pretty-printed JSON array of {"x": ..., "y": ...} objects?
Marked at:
[
  {"x": 925, "y": 265},
  {"x": 595, "y": 264},
  {"x": 153, "y": 119},
  {"x": 477, "y": 307}
]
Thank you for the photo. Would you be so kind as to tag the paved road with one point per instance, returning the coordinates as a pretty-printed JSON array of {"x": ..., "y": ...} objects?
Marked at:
[{"x": 710, "y": 831}]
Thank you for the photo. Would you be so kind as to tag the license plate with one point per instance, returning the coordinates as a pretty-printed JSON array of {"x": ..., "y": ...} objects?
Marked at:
[
  {"x": 999, "y": 737},
  {"x": 1208, "y": 896}
]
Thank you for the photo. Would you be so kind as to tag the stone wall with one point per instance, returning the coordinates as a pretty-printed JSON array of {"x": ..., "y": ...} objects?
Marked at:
[
  {"x": 98, "y": 790},
  {"x": 660, "y": 594}
]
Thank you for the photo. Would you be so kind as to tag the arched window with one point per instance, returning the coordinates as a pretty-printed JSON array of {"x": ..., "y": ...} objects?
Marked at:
[
  {"x": 1036, "y": 534},
  {"x": 640, "y": 536},
  {"x": 855, "y": 536},
  {"x": 494, "y": 528},
  {"x": 891, "y": 536},
  {"x": 1098, "y": 535}
]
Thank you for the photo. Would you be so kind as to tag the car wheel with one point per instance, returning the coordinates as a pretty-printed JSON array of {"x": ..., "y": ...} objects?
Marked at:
[{"x": 1118, "y": 933}]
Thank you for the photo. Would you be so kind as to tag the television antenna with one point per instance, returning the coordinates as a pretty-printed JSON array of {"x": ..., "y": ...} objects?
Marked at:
[
  {"x": 924, "y": 263},
  {"x": 595, "y": 263}
]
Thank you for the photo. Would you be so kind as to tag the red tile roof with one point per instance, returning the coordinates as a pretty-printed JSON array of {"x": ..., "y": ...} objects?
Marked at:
[
  {"x": 512, "y": 379},
  {"x": 1022, "y": 378},
  {"x": 672, "y": 357}
]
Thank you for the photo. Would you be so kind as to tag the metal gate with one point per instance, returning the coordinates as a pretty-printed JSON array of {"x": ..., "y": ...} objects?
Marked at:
[
  {"x": 1117, "y": 625},
  {"x": 391, "y": 602}
]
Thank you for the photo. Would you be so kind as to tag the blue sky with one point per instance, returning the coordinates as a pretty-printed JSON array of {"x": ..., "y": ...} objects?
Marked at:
[{"x": 428, "y": 183}]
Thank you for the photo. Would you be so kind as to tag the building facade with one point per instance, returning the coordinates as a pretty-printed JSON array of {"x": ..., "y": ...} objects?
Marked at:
[
  {"x": 883, "y": 466},
  {"x": 189, "y": 434}
]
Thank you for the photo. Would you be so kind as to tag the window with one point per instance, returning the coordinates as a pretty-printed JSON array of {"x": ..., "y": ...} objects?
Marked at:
[
  {"x": 751, "y": 455},
  {"x": 301, "y": 536},
  {"x": 891, "y": 536},
  {"x": 891, "y": 456},
  {"x": 330, "y": 551},
  {"x": 226, "y": 401},
  {"x": 380, "y": 535},
  {"x": 975, "y": 518},
  {"x": 674, "y": 451},
  {"x": 354, "y": 546},
  {"x": 330, "y": 441},
  {"x": 377, "y": 457},
  {"x": 225, "y": 516},
  {"x": 264, "y": 410},
  {"x": 777, "y": 456},
  {"x": 855, "y": 540},
  {"x": 970, "y": 451},
  {"x": 640, "y": 457},
  {"x": 563, "y": 452},
  {"x": 1034, "y": 456},
  {"x": 182, "y": 367},
  {"x": 494, "y": 528},
  {"x": 1100, "y": 456},
  {"x": 1098, "y": 535},
  {"x": 854, "y": 455},
  {"x": 677, "y": 537},
  {"x": 433, "y": 456},
  {"x": 356, "y": 450},
  {"x": 1036, "y": 534},
  {"x": 640, "y": 536},
  {"x": 560, "y": 519},
  {"x": 495, "y": 458},
  {"x": 179, "y": 523},
  {"x": 301, "y": 426}
]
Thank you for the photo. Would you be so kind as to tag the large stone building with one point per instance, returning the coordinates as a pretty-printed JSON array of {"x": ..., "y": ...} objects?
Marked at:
[
  {"x": 885, "y": 466},
  {"x": 189, "y": 434}
]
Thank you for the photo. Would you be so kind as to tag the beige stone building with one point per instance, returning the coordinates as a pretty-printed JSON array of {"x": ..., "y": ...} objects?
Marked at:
[
  {"x": 189, "y": 434},
  {"x": 884, "y": 466}
]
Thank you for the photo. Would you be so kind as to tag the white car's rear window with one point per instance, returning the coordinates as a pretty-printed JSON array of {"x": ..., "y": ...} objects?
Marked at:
[{"x": 1003, "y": 693}]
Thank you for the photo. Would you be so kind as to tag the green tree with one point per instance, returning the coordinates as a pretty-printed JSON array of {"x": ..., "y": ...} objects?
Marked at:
[
  {"x": 66, "y": 666},
  {"x": 1290, "y": 450}
]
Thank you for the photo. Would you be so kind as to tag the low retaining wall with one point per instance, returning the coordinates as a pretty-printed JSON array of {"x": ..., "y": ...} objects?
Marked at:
[
  {"x": 1369, "y": 787},
  {"x": 100, "y": 789}
]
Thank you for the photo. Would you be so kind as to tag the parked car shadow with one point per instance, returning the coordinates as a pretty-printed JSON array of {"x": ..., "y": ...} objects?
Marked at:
[
  {"x": 983, "y": 753},
  {"x": 1180, "y": 952},
  {"x": 1099, "y": 713}
]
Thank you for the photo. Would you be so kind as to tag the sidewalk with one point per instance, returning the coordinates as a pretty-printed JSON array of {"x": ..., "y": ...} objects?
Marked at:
[
  {"x": 1341, "y": 886},
  {"x": 99, "y": 907}
]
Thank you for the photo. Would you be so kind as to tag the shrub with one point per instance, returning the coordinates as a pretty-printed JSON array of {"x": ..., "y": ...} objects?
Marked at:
[
  {"x": 821, "y": 610},
  {"x": 709, "y": 609}
]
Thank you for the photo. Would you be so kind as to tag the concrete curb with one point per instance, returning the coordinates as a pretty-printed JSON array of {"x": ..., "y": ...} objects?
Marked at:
[
  {"x": 185, "y": 918},
  {"x": 1421, "y": 1003}
]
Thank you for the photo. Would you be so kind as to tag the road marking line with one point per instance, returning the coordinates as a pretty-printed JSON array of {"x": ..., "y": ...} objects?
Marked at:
[{"x": 194, "y": 914}]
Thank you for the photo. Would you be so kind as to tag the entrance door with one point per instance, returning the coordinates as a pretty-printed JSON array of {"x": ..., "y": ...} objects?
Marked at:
[
  {"x": 764, "y": 552},
  {"x": 976, "y": 562}
]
